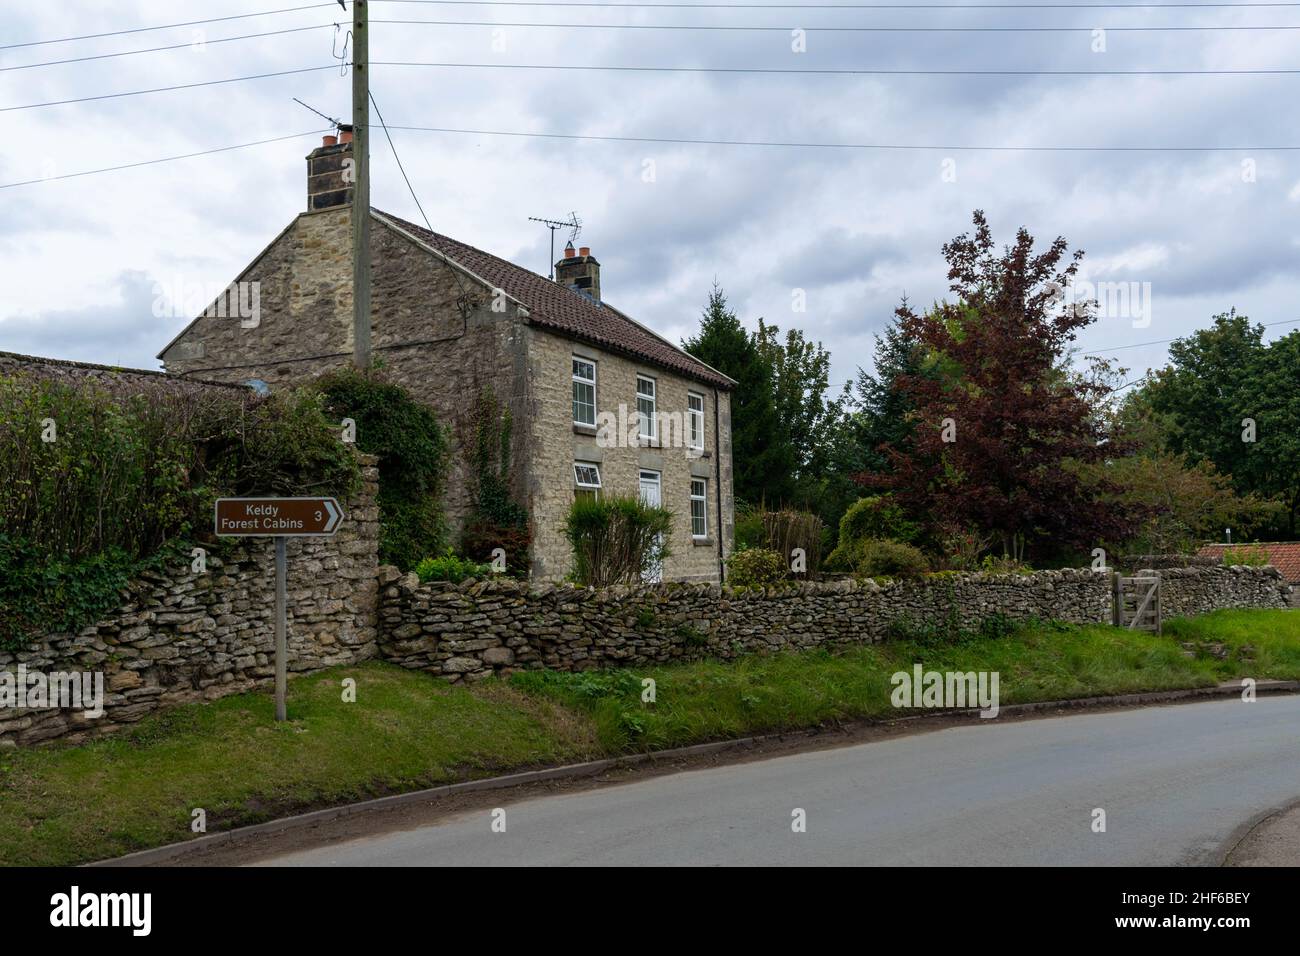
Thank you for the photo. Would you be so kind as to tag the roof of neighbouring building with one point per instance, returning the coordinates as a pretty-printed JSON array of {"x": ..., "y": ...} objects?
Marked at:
[
  {"x": 1283, "y": 555},
  {"x": 67, "y": 370},
  {"x": 563, "y": 310}
]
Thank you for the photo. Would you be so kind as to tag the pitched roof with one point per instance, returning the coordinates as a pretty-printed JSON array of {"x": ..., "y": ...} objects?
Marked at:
[
  {"x": 1283, "y": 555},
  {"x": 119, "y": 377},
  {"x": 565, "y": 311}
]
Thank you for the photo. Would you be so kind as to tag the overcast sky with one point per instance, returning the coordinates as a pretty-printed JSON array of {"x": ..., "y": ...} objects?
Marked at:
[{"x": 854, "y": 229}]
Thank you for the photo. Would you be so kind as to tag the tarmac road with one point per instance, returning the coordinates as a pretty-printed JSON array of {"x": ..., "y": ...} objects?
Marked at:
[{"x": 1177, "y": 784}]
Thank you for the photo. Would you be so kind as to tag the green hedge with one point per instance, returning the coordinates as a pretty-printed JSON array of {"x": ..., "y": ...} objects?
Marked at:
[
  {"x": 412, "y": 450},
  {"x": 102, "y": 477}
]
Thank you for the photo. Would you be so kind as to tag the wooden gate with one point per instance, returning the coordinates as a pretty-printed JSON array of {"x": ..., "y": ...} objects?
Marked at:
[{"x": 1136, "y": 603}]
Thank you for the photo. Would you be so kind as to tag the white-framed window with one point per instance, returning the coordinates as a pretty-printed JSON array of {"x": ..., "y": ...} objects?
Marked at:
[
  {"x": 584, "y": 391},
  {"x": 586, "y": 479},
  {"x": 699, "y": 508},
  {"x": 645, "y": 407},
  {"x": 651, "y": 486},
  {"x": 695, "y": 424}
]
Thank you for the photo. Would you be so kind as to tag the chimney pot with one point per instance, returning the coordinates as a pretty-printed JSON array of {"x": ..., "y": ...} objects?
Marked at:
[
  {"x": 580, "y": 272},
  {"x": 329, "y": 141},
  {"x": 345, "y": 134}
]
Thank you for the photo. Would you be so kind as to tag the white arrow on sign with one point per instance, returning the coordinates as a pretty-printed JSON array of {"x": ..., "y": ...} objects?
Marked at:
[{"x": 334, "y": 515}]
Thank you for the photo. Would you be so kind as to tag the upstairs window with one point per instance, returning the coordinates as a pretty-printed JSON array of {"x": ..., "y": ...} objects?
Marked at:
[
  {"x": 645, "y": 407},
  {"x": 584, "y": 392},
  {"x": 695, "y": 425}
]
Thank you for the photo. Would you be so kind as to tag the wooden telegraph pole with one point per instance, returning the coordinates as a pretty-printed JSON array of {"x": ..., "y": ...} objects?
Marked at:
[{"x": 361, "y": 188}]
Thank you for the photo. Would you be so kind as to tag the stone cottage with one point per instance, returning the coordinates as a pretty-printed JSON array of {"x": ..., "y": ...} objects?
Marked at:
[{"x": 600, "y": 404}]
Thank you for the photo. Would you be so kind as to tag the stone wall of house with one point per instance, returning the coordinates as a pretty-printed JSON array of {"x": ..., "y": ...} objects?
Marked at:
[
  {"x": 473, "y": 630},
  {"x": 182, "y": 636},
  {"x": 433, "y": 328},
  {"x": 557, "y": 443},
  {"x": 446, "y": 335}
]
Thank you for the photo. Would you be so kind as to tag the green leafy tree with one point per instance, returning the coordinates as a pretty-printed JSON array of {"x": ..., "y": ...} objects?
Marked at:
[
  {"x": 1232, "y": 400},
  {"x": 800, "y": 381},
  {"x": 1184, "y": 502},
  {"x": 764, "y": 459},
  {"x": 873, "y": 413},
  {"x": 998, "y": 425}
]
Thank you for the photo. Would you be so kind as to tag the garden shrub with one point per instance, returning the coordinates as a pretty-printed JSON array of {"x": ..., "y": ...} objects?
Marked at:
[
  {"x": 616, "y": 540},
  {"x": 876, "y": 517},
  {"x": 880, "y": 557},
  {"x": 450, "y": 567},
  {"x": 784, "y": 531},
  {"x": 412, "y": 450},
  {"x": 750, "y": 532},
  {"x": 755, "y": 567},
  {"x": 1004, "y": 564}
]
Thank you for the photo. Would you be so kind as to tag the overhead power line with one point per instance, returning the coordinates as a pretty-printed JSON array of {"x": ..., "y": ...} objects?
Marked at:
[
  {"x": 647, "y": 26},
  {"x": 1138, "y": 345},
  {"x": 828, "y": 72},
  {"x": 830, "y": 29},
  {"x": 400, "y": 167},
  {"x": 455, "y": 274},
  {"x": 793, "y": 144},
  {"x": 167, "y": 89},
  {"x": 167, "y": 26},
  {"x": 159, "y": 49},
  {"x": 672, "y": 141},
  {"x": 165, "y": 159}
]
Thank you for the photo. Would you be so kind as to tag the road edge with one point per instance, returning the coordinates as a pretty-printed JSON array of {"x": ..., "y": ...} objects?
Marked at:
[{"x": 941, "y": 720}]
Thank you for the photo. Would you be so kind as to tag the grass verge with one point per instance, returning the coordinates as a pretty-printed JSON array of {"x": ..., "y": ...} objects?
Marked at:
[
  {"x": 710, "y": 700},
  {"x": 407, "y": 730}
]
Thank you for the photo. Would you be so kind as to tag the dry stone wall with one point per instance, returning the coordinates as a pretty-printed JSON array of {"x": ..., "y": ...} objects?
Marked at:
[
  {"x": 181, "y": 636},
  {"x": 475, "y": 629}
]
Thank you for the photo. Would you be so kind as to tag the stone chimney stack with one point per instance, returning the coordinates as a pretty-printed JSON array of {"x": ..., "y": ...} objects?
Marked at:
[
  {"x": 330, "y": 172},
  {"x": 579, "y": 271}
]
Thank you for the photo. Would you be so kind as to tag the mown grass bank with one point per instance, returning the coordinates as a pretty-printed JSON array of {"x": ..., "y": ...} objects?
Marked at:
[
  {"x": 406, "y": 730},
  {"x": 710, "y": 700},
  {"x": 70, "y": 804}
]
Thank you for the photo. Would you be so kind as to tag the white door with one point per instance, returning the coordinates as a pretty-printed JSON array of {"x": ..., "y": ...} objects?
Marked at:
[{"x": 650, "y": 495}]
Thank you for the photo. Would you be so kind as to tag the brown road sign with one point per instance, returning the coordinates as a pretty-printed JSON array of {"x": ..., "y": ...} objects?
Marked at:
[{"x": 277, "y": 517}]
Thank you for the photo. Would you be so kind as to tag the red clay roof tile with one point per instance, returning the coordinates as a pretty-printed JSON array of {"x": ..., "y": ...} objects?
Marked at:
[{"x": 1283, "y": 555}]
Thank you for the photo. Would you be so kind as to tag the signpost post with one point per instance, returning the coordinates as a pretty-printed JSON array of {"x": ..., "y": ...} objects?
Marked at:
[{"x": 279, "y": 518}]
